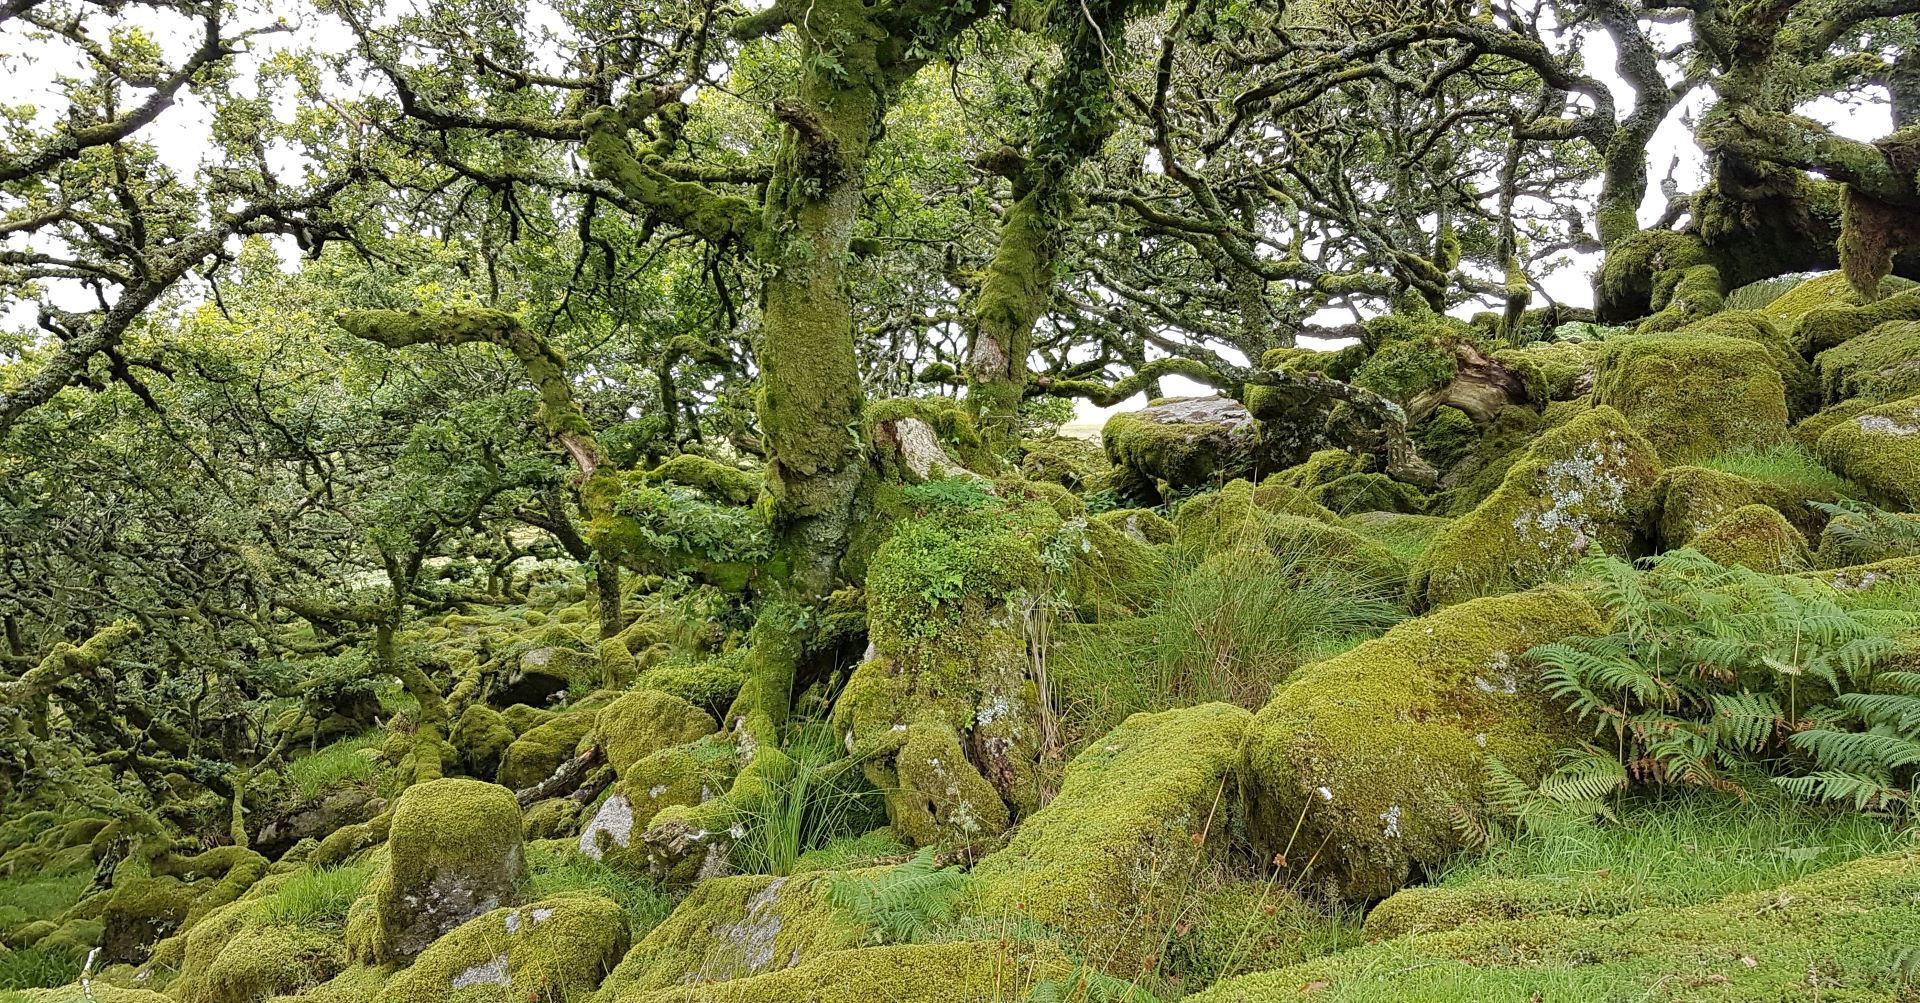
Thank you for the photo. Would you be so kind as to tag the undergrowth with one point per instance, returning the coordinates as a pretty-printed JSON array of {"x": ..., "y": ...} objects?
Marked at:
[
  {"x": 554, "y": 871},
  {"x": 342, "y": 763},
  {"x": 1787, "y": 465}
]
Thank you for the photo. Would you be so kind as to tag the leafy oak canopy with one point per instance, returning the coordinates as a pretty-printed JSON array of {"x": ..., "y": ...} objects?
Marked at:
[{"x": 441, "y": 285}]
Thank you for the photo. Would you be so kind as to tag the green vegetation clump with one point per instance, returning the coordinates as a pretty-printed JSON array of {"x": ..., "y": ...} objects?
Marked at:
[
  {"x": 1141, "y": 814},
  {"x": 1694, "y": 394},
  {"x": 1757, "y": 537},
  {"x": 1880, "y": 365},
  {"x": 1588, "y": 483},
  {"x": 1361, "y": 765},
  {"x": 643, "y": 722},
  {"x": 556, "y": 948},
  {"x": 454, "y": 852},
  {"x": 732, "y": 928},
  {"x": 1879, "y": 449}
]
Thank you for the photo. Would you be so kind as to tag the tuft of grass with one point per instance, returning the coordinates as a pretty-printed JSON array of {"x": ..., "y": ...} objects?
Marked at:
[
  {"x": 817, "y": 798},
  {"x": 29, "y": 896},
  {"x": 344, "y": 762},
  {"x": 1686, "y": 847},
  {"x": 34, "y": 968},
  {"x": 1756, "y": 295},
  {"x": 554, "y": 871},
  {"x": 1213, "y": 636},
  {"x": 312, "y": 897},
  {"x": 1788, "y": 466}
]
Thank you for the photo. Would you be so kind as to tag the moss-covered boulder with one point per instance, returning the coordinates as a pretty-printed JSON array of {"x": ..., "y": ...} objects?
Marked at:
[
  {"x": 733, "y": 928},
  {"x": 1563, "y": 370},
  {"x": 1868, "y": 537},
  {"x": 1827, "y": 936},
  {"x": 1141, "y": 813},
  {"x": 1179, "y": 443},
  {"x": 1076, "y": 464},
  {"x": 1689, "y": 499},
  {"x": 643, "y": 722},
  {"x": 952, "y": 972},
  {"x": 453, "y": 852},
  {"x": 1757, "y": 537},
  {"x": 1371, "y": 755},
  {"x": 1237, "y": 523},
  {"x": 1879, "y": 449},
  {"x": 1881, "y": 365},
  {"x": 1695, "y": 395},
  {"x": 558, "y": 948},
  {"x": 1368, "y": 493},
  {"x": 1842, "y": 319},
  {"x": 481, "y": 736},
  {"x": 710, "y": 684},
  {"x": 544, "y": 748},
  {"x": 1586, "y": 483},
  {"x": 543, "y": 672}
]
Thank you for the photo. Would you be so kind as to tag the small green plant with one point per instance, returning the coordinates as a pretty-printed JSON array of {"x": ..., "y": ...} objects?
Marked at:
[
  {"x": 36, "y": 968},
  {"x": 1867, "y": 754},
  {"x": 313, "y": 897},
  {"x": 1787, "y": 465},
  {"x": 1578, "y": 789},
  {"x": 814, "y": 797},
  {"x": 1704, "y": 664},
  {"x": 902, "y": 903},
  {"x": 337, "y": 765}
]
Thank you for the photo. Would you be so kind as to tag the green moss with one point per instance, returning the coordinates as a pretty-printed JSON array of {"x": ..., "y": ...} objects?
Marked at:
[
  {"x": 1586, "y": 483},
  {"x": 1881, "y": 365},
  {"x": 543, "y": 748},
  {"x": 1405, "y": 368},
  {"x": 681, "y": 776},
  {"x": 552, "y": 818},
  {"x": 454, "y": 852},
  {"x": 902, "y": 973},
  {"x": 481, "y": 736},
  {"x": 1837, "y": 929},
  {"x": 1074, "y": 463},
  {"x": 1362, "y": 762},
  {"x": 1140, "y": 814},
  {"x": 1143, "y": 524},
  {"x": 1694, "y": 395},
  {"x": 1639, "y": 273},
  {"x": 1406, "y": 536},
  {"x": 1879, "y": 449},
  {"x": 1252, "y": 926},
  {"x": 1803, "y": 387},
  {"x": 1501, "y": 443},
  {"x": 1233, "y": 519},
  {"x": 1562, "y": 370},
  {"x": 1324, "y": 466},
  {"x": 716, "y": 480},
  {"x": 947, "y": 417},
  {"x": 557, "y": 948},
  {"x": 643, "y": 722},
  {"x": 1178, "y": 443},
  {"x": 732, "y": 928},
  {"x": 1757, "y": 537},
  {"x": 1369, "y": 493},
  {"x": 1446, "y": 438},
  {"x": 1839, "y": 319},
  {"x": 710, "y": 684}
]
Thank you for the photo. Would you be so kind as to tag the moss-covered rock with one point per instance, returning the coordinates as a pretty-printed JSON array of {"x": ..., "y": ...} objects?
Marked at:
[
  {"x": 1179, "y": 443},
  {"x": 1233, "y": 524},
  {"x": 1586, "y": 483},
  {"x": 1695, "y": 395},
  {"x": 1406, "y": 536},
  {"x": 481, "y": 736},
  {"x": 454, "y": 852},
  {"x": 1322, "y": 467},
  {"x": 643, "y": 722},
  {"x": 558, "y": 948},
  {"x": 1073, "y": 463},
  {"x": 1562, "y": 369},
  {"x": 542, "y": 672},
  {"x": 1689, "y": 499},
  {"x": 1143, "y": 524},
  {"x": 952, "y": 972},
  {"x": 1796, "y": 374},
  {"x": 1879, "y": 449},
  {"x": 710, "y": 684},
  {"x": 1407, "y": 367},
  {"x": 733, "y": 928},
  {"x": 1837, "y": 322},
  {"x": 1371, "y": 754},
  {"x": 1369, "y": 493},
  {"x": 1881, "y": 365},
  {"x": 1757, "y": 537},
  {"x": 1828, "y": 936},
  {"x": 1142, "y": 812},
  {"x": 544, "y": 748}
]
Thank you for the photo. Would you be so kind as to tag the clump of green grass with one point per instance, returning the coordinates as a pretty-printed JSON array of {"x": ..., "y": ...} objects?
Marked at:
[
  {"x": 1787, "y": 465},
  {"x": 817, "y": 798},
  {"x": 344, "y": 762},
  {"x": 35, "y": 968},
  {"x": 1684, "y": 847},
  {"x": 552, "y": 872},
  {"x": 29, "y": 896},
  {"x": 1210, "y": 636},
  {"x": 314, "y": 897}
]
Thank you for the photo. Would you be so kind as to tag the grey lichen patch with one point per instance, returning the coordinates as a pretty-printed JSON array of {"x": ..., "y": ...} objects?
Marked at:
[
  {"x": 492, "y": 972},
  {"x": 614, "y": 822}
]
